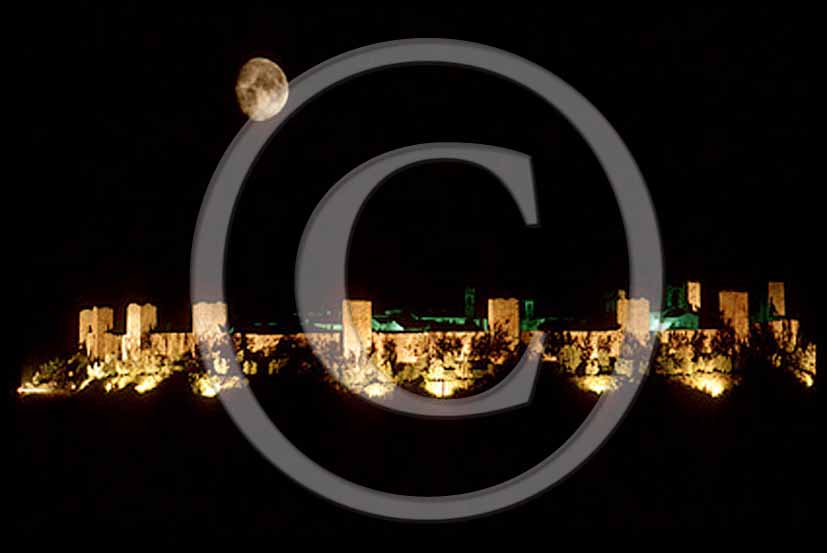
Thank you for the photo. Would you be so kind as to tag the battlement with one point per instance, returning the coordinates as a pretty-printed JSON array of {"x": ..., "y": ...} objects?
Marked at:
[
  {"x": 446, "y": 355},
  {"x": 632, "y": 317}
]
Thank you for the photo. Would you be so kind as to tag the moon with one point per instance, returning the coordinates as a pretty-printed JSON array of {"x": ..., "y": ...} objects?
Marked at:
[{"x": 261, "y": 89}]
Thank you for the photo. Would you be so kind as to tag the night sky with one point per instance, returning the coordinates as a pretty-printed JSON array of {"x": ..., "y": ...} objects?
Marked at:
[
  {"x": 126, "y": 115},
  {"x": 141, "y": 107}
]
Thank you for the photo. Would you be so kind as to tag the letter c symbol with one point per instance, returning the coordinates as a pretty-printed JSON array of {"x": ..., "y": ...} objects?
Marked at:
[
  {"x": 636, "y": 210},
  {"x": 322, "y": 260}
]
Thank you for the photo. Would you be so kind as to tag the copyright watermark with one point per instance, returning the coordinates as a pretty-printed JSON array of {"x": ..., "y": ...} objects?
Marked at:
[{"x": 322, "y": 259}]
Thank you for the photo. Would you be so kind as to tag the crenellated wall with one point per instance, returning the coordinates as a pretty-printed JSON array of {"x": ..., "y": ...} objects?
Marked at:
[
  {"x": 172, "y": 344},
  {"x": 267, "y": 344},
  {"x": 588, "y": 352},
  {"x": 140, "y": 321},
  {"x": 409, "y": 347},
  {"x": 356, "y": 326}
]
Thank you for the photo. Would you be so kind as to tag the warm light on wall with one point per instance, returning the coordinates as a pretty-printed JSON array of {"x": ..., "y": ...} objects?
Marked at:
[
  {"x": 442, "y": 388},
  {"x": 30, "y": 389},
  {"x": 806, "y": 378},
  {"x": 597, "y": 384},
  {"x": 713, "y": 384}
]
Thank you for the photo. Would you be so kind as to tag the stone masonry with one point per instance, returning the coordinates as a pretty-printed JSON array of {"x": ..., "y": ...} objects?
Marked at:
[
  {"x": 734, "y": 308},
  {"x": 97, "y": 339},
  {"x": 633, "y": 316},
  {"x": 505, "y": 313},
  {"x": 208, "y": 318},
  {"x": 693, "y": 296},
  {"x": 356, "y": 327},
  {"x": 140, "y": 321},
  {"x": 775, "y": 296},
  {"x": 95, "y": 329}
]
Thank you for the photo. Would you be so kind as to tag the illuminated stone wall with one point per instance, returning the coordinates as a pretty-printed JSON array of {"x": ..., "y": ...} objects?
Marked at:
[
  {"x": 775, "y": 297},
  {"x": 734, "y": 309},
  {"x": 592, "y": 350},
  {"x": 505, "y": 313},
  {"x": 595, "y": 352},
  {"x": 84, "y": 327},
  {"x": 686, "y": 352},
  {"x": 411, "y": 347},
  {"x": 266, "y": 344},
  {"x": 174, "y": 345},
  {"x": 208, "y": 318},
  {"x": 633, "y": 317},
  {"x": 356, "y": 327},
  {"x": 702, "y": 338},
  {"x": 693, "y": 296},
  {"x": 140, "y": 321},
  {"x": 594, "y": 341},
  {"x": 785, "y": 332},
  {"x": 95, "y": 337},
  {"x": 109, "y": 346},
  {"x": 408, "y": 346}
]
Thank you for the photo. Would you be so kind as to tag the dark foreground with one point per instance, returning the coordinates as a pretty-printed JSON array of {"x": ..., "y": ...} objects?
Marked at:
[{"x": 172, "y": 463}]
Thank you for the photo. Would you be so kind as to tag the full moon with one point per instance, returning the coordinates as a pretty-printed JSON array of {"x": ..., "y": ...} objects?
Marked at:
[{"x": 261, "y": 89}]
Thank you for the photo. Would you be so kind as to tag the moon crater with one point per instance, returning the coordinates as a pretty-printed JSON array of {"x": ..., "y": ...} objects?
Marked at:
[{"x": 261, "y": 89}]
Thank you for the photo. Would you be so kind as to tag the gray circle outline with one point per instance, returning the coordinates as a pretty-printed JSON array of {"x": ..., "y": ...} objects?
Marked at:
[
  {"x": 645, "y": 264},
  {"x": 321, "y": 265}
]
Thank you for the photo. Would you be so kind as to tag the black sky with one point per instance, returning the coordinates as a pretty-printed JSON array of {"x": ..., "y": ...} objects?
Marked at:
[{"x": 136, "y": 109}]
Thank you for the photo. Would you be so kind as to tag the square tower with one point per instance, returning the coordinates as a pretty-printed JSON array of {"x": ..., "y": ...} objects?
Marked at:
[
  {"x": 775, "y": 300},
  {"x": 356, "y": 327},
  {"x": 470, "y": 303},
  {"x": 734, "y": 309},
  {"x": 633, "y": 316},
  {"x": 140, "y": 321},
  {"x": 94, "y": 332},
  {"x": 504, "y": 313},
  {"x": 693, "y": 296},
  {"x": 208, "y": 319}
]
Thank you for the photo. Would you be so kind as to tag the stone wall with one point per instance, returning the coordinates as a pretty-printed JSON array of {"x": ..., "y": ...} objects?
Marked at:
[
  {"x": 208, "y": 318},
  {"x": 410, "y": 347},
  {"x": 266, "y": 344},
  {"x": 140, "y": 321},
  {"x": 95, "y": 338},
  {"x": 84, "y": 327},
  {"x": 775, "y": 299},
  {"x": 505, "y": 313},
  {"x": 734, "y": 309},
  {"x": 703, "y": 338},
  {"x": 594, "y": 350},
  {"x": 174, "y": 345},
  {"x": 633, "y": 317},
  {"x": 785, "y": 332},
  {"x": 356, "y": 326},
  {"x": 693, "y": 296}
]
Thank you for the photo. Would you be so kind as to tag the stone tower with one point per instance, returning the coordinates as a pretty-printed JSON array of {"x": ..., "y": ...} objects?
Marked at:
[
  {"x": 633, "y": 316},
  {"x": 470, "y": 303},
  {"x": 356, "y": 327},
  {"x": 775, "y": 300},
  {"x": 504, "y": 313},
  {"x": 94, "y": 336},
  {"x": 693, "y": 296},
  {"x": 528, "y": 309},
  {"x": 208, "y": 318},
  {"x": 734, "y": 308},
  {"x": 140, "y": 321}
]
